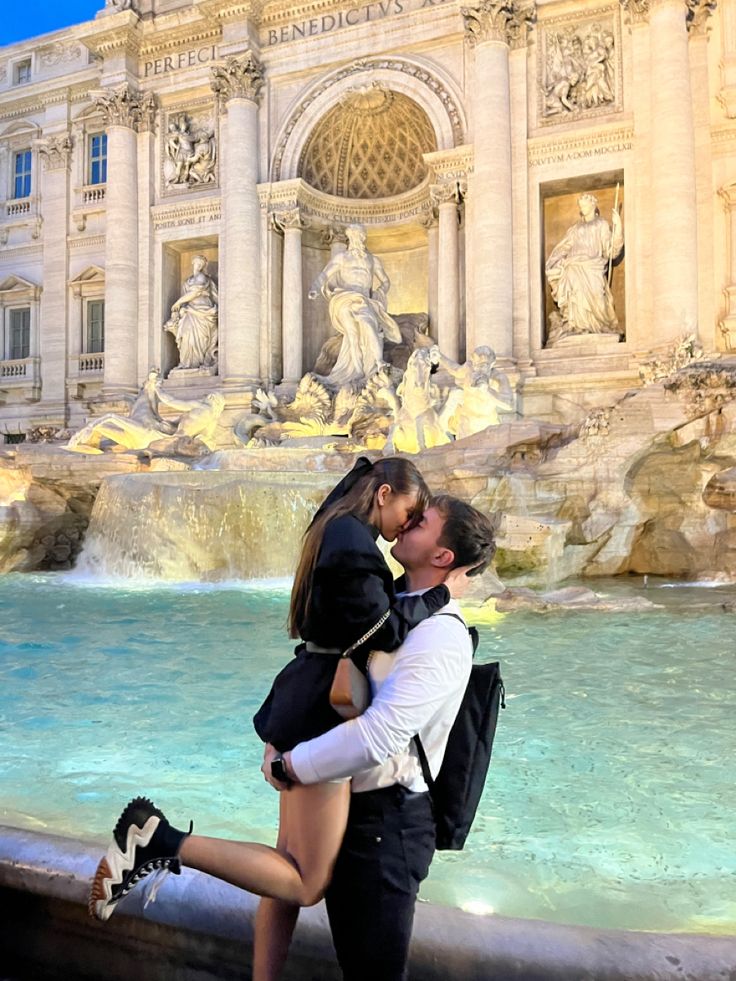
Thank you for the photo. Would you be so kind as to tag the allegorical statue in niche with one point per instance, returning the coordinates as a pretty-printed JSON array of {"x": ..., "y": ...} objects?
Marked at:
[
  {"x": 479, "y": 393},
  {"x": 145, "y": 425},
  {"x": 193, "y": 320},
  {"x": 191, "y": 154},
  {"x": 578, "y": 272},
  {"x": 355, "y": 284}
]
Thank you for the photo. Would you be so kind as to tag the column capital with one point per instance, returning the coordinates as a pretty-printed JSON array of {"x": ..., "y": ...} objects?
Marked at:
[
  {"x": 727, "y": 194},
  {"x": 429, "y": 218},
  {"x": 637, "y": 10},
  {"x": 447, "y": 191},
  {"x": 698, "y": 14},
  {"x": 55, "y": 151},
  {"x": 238, "y": 78},
  {"x": 504, "y": 21},
  {"x": 329, "y": 234},
  {"x": 122, "y": 105},
  {"x": 288, "y": 218}
]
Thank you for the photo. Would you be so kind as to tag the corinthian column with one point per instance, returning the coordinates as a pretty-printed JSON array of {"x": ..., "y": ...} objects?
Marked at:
[
  {"x": 446, "y": 196},
  {"x": 238, "y": 84},
  {"x": 672, "y": 141},
  {"x": 491, "y": 27},
  {"x": 123, "y": 110},
  {"x": 290, "y": 223}
]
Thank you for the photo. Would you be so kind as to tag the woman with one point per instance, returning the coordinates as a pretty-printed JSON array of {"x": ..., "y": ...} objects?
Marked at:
[{"x": 342, "y": 588}]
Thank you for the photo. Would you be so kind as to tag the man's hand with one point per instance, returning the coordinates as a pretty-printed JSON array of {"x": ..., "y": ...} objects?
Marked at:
[
  {"x": 269, "y": 754},
  {"x": 458, "y": 582}
]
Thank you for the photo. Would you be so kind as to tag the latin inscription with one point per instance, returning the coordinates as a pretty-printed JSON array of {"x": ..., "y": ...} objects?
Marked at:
[
  {"x": 365, "y": 14},
  {"x": 177, "y": 62}
]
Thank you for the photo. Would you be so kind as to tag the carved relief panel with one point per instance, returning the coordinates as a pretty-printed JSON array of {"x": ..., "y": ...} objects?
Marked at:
[
  {"x": 189, "y": 148},
  {"x": 579, "y": 67}
]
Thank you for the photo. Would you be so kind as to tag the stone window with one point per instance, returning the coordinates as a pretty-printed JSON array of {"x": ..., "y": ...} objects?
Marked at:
[
  {"x": 19, "y": 334},
  {"x": 95, "y": 327},
  {"x": 22, "y": 72},
  {"x": 97, "y": 156},
  {"x": 22, "y": 169}
]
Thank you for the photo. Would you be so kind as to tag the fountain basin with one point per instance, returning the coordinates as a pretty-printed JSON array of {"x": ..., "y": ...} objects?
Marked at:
[{"x": 202, "y": 930}]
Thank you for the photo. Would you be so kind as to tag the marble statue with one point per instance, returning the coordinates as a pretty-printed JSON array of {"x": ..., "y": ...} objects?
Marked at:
[
  {"x": 417, "y": 425},
  {"x": 578, "y": 274},
  {"x": 355, "y": 285},
  {"x": 191, "y": 154},
  {"x": 480, "y": 392},
  {"x": 145, "y": 425},
  {"x": 193, "y": 320},
  {"x": 115, "y": 5}
]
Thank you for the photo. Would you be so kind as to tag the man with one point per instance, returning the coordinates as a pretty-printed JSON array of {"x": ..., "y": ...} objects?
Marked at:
[{"x": 390, "y": 837}]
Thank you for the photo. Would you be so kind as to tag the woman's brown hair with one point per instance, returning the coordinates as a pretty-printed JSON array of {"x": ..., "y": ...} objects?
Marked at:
[{"x": 401, "y": 476}]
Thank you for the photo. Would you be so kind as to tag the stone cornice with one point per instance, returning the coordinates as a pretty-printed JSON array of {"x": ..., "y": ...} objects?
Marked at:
[
  {"x": 455, "y": 164},
  {"x": 124, "y": 36},
  {"x": 224, "y": 10},
  {"x": 560, "y": 149},
  {"x": 504, "y": 21},
  {"x": 318, "y": 208},
  {"x": 184, "y": 35},
  {"x": 238, "y": 78}
]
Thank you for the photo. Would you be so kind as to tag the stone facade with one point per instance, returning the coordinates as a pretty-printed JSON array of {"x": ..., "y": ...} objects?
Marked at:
[{"x": 251, "y": 132}]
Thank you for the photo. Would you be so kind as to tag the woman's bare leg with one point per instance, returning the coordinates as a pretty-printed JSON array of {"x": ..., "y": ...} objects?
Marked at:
[
  {"x": 274, "y": 928},
  {"x": 316, "y": 817},
  {"x": 275, "y": 922}
]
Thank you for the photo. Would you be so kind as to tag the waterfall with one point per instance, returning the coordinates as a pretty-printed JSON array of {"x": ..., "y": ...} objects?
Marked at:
[{"x": 200, "y": 525}]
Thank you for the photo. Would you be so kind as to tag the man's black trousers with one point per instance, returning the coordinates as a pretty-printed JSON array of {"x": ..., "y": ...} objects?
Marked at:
[{"x": 386, "y": 853}]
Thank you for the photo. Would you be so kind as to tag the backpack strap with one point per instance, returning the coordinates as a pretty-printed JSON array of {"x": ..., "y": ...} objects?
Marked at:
[{"x": 423, "y": 761}]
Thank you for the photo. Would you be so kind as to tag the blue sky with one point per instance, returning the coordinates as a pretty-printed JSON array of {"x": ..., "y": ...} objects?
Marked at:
[{"x": 25, "y": 19}]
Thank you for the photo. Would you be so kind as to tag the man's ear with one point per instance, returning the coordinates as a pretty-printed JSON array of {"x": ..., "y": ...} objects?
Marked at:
[{"x": 444, "y": 559}]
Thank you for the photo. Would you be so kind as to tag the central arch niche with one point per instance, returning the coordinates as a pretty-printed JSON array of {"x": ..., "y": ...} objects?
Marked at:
[{"x": 369, "y": 145}]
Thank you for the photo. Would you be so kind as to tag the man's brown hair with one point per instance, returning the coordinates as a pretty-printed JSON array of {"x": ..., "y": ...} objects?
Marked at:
[{"x": 467, "y": 532}]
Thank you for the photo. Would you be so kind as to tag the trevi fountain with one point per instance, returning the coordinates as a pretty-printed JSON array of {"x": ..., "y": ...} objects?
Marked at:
[{"x": 497, "y": 238}]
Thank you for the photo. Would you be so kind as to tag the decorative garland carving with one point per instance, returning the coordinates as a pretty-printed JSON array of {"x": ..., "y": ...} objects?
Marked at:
[
  {"x": 59, "y": 54},
  {"x": 238, "y": 78},
  {"x": 507, "y": 21},
  {"x": 365, "y": 65}
]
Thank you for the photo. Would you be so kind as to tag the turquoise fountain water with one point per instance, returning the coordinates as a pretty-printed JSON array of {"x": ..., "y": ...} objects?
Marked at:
[{"x": 611, "y": 795}]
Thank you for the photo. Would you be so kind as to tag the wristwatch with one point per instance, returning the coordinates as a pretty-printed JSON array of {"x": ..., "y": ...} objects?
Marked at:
[{"x": 278, "y": 770}]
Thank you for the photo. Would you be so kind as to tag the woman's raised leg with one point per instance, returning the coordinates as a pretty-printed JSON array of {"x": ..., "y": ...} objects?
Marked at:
[{"x": 315, "y": 820}]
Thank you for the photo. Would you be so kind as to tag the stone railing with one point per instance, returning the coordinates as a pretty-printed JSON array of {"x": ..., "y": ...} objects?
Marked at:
[
  {"x": 93, "y": 194},
  {"x": 91, "y": 363},
  {"x": 19, "y": 372},
  {"x": 14, "y": 209}
]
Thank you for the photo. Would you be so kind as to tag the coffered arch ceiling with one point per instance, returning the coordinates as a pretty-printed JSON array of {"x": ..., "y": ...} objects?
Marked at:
[{"x": 368, "y": 145}]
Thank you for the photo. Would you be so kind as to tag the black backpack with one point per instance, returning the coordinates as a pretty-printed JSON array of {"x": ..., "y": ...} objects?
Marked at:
[{"x": 457, "y": 790}]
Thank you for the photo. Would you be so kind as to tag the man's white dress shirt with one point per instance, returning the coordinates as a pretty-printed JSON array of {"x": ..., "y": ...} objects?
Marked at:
[{"x": 416, "y": 689}]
